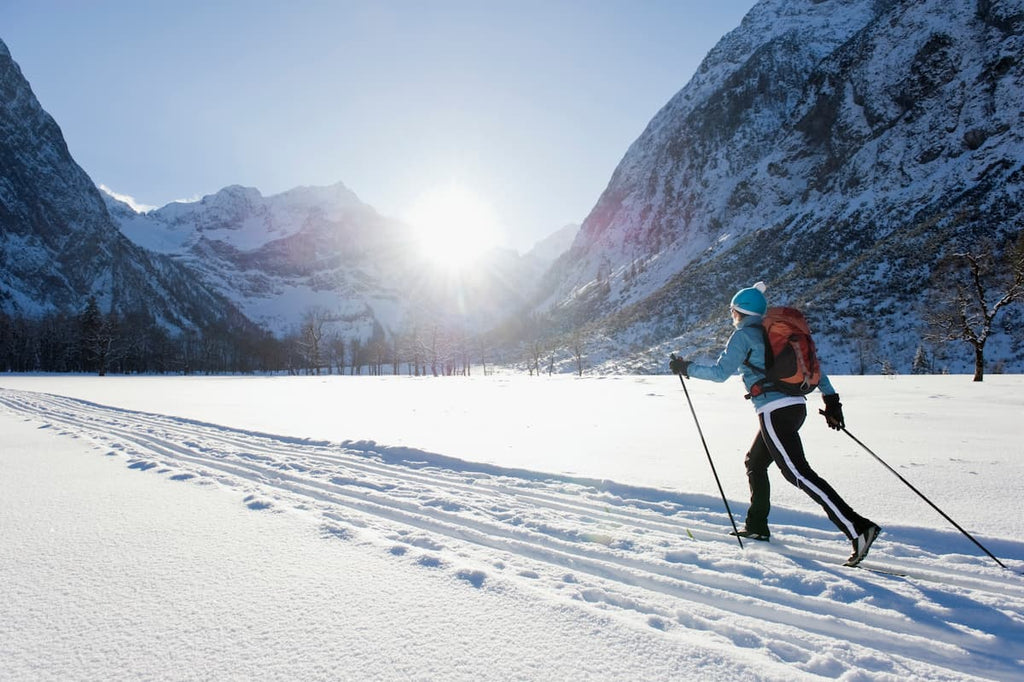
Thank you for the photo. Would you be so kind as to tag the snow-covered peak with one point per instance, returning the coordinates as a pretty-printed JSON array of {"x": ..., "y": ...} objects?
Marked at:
[
  {"x": 232, "y": 195},
  {"x": 337, "y": 196},
  {"x": 819, "y": 25},
  {"x": 244, "y": 219}
]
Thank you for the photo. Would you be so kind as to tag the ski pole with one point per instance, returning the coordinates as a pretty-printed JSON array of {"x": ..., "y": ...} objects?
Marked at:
[
  {"x": 710, "y": 461},
  {"x": 922, "y": 496}
]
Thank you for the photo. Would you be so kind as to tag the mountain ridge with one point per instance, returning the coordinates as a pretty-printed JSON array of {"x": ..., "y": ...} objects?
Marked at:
[
  {"x": 58, "y": 243},
  {"x": 833, "y": 159}
]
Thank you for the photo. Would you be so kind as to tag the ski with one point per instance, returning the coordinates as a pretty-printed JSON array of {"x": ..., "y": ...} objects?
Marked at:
[
  {"x": 783, "y": 549},
  {"x": 882, "y": 571}
]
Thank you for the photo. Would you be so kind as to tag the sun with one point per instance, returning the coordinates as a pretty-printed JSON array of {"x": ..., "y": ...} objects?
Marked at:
[{"x": 453, "y": 226}]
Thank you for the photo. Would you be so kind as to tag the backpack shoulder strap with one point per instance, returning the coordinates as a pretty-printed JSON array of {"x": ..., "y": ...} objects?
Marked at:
[
  {"x": 762, "y": 384},
  {"x": 768, "y": 354}
]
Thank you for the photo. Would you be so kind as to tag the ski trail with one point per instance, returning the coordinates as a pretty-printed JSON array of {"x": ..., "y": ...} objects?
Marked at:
[
  {"x": 666, "y": 564},
  {"x": 597, "y": 507}
]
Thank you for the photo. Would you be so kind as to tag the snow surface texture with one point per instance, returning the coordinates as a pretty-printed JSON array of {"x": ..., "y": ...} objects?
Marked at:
[{"x": 500, "y": 528}]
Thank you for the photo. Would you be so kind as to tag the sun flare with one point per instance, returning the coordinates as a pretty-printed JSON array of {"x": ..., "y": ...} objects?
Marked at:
[{"x": 453, "y": 226}]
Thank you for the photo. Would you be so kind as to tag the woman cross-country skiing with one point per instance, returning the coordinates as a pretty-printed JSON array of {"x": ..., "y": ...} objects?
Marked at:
[{"x": 778, "y": 440}]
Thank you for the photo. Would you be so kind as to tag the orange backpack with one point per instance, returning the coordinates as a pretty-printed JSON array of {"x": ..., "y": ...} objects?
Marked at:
[{"x": 791, "y": 363}]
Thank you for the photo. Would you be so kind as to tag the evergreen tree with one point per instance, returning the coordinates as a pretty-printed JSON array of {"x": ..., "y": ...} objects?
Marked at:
[
  {"x": 96, "y": 338},
  {"x": 921, "y": 363}
]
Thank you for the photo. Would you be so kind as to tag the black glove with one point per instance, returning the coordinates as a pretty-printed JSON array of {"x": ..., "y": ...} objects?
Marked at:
[
  {"x": 679, "y": 366},
  {"x": 833, "y": 412}
]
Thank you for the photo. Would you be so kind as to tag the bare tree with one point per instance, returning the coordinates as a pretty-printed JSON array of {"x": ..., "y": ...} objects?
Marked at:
[
  {"x": 336, "y": 350},
  {"x": 866, "y": 342},
  {"x": 977, "y": 286},
  {"x": 396, "y": 357},
  {"x": 311, "y": 336},
  {"x": 577, "y": 350},
  {"x": 380, "y": 355},
  {"x": 481, "y": 349},
  {"x": 356, "y": 354},
  {"x": 433, "y": 351},
  {"x": 414, "y": 351},
  {"x": 534, "y": 351}
]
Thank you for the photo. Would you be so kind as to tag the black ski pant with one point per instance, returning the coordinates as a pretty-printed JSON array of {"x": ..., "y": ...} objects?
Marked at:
[{"x": 779, "y": 441}]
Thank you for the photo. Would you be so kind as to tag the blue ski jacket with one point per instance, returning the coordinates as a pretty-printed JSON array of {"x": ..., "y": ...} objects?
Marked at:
[{"x": 748, "y": 339}]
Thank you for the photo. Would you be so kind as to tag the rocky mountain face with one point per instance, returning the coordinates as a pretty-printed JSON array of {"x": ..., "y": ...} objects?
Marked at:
[
  {"x": 58, "y": 243},
  {"x": 834, "y": 149}
]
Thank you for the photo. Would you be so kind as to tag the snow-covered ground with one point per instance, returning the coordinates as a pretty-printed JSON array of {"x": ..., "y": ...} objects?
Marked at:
[{"x": 503, "y": 527}]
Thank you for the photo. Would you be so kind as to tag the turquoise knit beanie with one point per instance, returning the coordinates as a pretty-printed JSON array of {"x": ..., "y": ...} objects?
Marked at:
[{"x": 750, "y": 301}]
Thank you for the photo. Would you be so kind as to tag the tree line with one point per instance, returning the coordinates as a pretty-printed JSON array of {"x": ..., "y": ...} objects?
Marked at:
[
  {"x": 91, "y": 341},
  {"x": 423, "y": 349}
]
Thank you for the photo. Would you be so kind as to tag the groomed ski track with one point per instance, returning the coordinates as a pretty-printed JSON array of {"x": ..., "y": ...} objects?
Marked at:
[{"x": 651, "y": 558}]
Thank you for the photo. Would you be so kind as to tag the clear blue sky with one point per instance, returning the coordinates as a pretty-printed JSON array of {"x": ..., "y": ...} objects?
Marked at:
[{"x": 529, "y": 104}]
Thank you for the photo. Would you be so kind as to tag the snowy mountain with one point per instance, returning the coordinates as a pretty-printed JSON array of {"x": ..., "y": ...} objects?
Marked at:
[
  {"x": 321, "y": 248},
  {"x": 312, "y": 250},
  {"x": 279, "y": 257},
  {"x": 832, "y": 149},
  {"x": 58, "y": 243}
]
